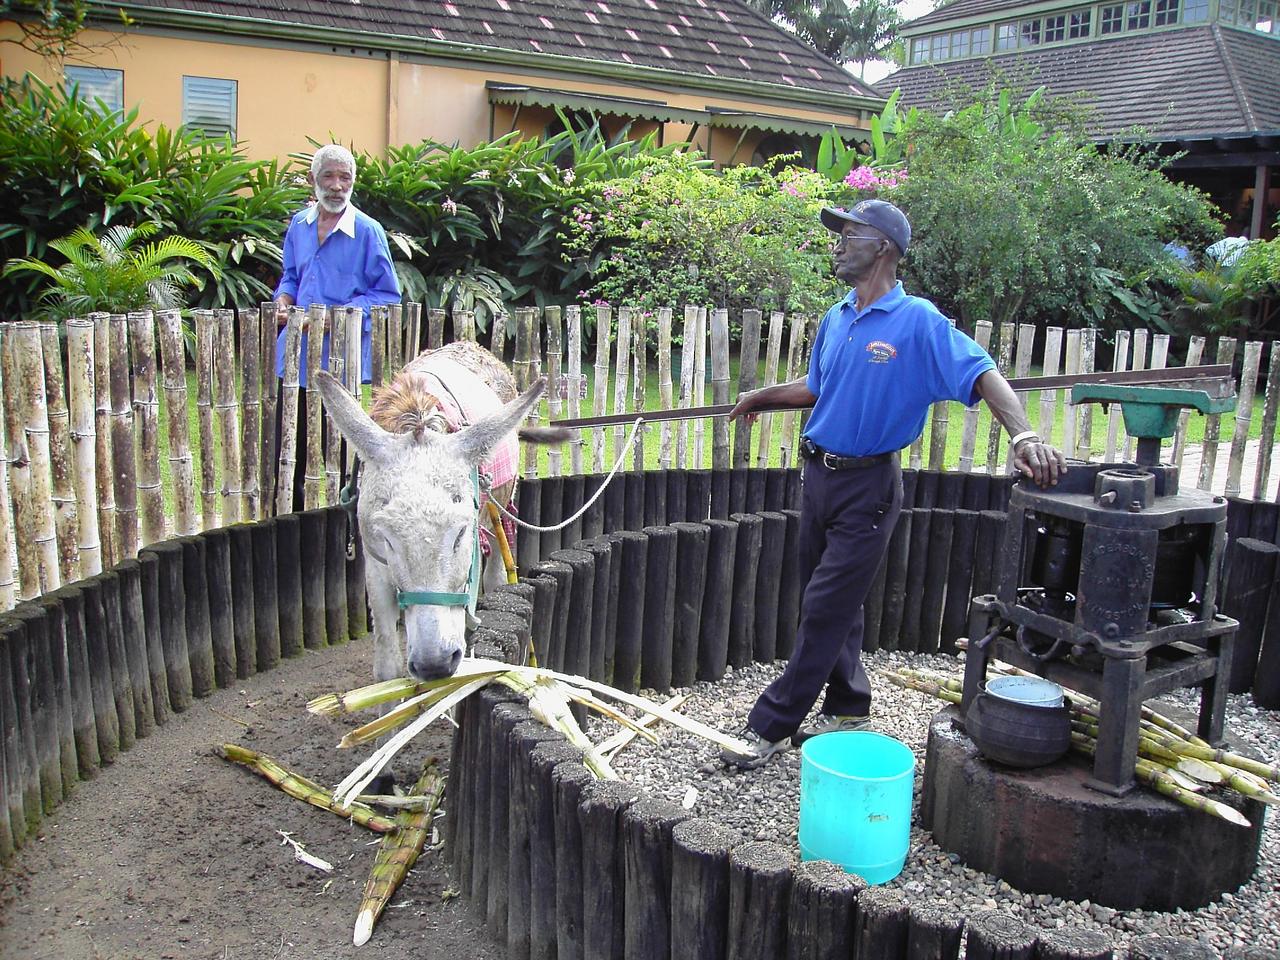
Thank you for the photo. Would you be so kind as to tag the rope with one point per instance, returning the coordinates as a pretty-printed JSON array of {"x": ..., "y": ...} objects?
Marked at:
[{"x": 617, "y": 465}]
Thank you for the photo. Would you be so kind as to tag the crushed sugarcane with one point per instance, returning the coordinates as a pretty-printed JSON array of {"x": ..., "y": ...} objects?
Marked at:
[
  {"x": 398, "y": 851},
  {"x": 549, "y": 694},
  {"x": 301, "y": 855},
  {"x": 611, "y": 746},
  {"x": 304, "y": 789}
]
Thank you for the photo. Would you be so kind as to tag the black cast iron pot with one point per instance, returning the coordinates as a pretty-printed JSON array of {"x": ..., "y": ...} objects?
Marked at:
[{"x": 1018, "y": 734}]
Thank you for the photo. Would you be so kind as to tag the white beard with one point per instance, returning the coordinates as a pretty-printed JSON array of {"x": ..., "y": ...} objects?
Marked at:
[{"x": 333, "y": 206}]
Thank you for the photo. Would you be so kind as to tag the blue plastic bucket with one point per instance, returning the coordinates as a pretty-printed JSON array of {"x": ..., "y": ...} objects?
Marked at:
[{"x": 855, "y": 802}]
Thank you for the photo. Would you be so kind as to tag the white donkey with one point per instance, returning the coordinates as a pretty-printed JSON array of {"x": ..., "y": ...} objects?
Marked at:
[{"x": 432, "y": 438}]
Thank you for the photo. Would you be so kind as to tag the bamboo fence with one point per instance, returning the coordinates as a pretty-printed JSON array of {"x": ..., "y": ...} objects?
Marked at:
[{"x": 96, "y": 425}]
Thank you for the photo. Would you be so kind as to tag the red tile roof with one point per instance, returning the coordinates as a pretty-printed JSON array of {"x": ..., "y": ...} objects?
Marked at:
[{"x": 724, "y": 38}]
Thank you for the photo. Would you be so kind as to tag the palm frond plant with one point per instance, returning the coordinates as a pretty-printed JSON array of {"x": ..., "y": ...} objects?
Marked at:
[{"x": 116, "y": 272}]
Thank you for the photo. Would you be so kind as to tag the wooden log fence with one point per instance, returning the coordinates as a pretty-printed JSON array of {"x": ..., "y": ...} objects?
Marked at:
[{"x": 99, "y": 457}]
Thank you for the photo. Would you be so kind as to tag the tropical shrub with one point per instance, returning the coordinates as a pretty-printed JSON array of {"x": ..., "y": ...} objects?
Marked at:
[
  {"x": 678, "y": 233},
  {"x": 67, "y": 164},
  {"x": 1016, "y": 215},
  {"x": 114, "y": 273}
]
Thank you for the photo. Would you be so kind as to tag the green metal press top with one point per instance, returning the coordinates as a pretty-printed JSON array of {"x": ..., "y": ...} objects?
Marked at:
[{"x": 1152, "y": 412}]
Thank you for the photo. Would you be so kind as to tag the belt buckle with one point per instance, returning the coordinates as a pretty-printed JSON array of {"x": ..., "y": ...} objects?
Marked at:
[{"x": 830, "y": 461}]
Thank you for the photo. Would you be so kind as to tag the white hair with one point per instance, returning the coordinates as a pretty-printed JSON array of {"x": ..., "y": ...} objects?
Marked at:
[{"x": 332, "y": 152}]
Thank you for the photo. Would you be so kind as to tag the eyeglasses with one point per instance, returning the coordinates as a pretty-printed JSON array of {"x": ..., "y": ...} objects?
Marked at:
[{"x": 844, "y": 238}]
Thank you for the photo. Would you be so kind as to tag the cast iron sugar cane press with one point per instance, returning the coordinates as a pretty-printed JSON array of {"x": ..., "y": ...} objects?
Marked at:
[{"x": 1108, "y": 581}]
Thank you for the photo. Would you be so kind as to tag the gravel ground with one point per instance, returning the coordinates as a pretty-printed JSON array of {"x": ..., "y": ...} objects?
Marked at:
[{"x": 763, "y": 805}]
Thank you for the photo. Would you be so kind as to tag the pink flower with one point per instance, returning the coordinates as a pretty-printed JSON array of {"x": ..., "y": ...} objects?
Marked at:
[{"x": 448, "y": 206}]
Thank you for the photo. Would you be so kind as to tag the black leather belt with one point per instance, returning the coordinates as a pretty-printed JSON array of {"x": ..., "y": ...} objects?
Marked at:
[{"x": 831, "y": 461}]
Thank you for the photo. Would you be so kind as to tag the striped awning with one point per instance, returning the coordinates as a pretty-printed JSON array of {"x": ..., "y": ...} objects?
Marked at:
[
  {"x": 739, "y": 120},
  {"x": 522, "y": 95}
]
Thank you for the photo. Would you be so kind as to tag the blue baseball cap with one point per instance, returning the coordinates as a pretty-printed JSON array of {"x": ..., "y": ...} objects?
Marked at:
[{"x": 881, "y": 214}]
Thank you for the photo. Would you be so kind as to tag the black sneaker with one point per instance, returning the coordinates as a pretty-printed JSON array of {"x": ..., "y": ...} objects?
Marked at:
[
  {"x": 758, "y": 752},
  {"x": 828, "y": 723}
]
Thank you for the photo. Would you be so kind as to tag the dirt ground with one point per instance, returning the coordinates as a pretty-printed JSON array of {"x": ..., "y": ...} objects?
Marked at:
[{"x": 172, "y": 852}]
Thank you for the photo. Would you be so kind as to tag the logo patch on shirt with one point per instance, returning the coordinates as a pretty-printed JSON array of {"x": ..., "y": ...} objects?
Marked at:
[{"x": 881, "y": 351}]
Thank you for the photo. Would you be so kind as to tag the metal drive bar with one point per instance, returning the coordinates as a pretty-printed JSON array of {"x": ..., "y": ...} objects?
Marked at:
[{"x": 1172, "y": 376}]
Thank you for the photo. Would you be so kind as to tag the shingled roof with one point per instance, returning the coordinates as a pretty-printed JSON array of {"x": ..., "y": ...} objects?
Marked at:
[
  {"x": 1176, "y": 84},
  {"x": 692, "y": 38}
]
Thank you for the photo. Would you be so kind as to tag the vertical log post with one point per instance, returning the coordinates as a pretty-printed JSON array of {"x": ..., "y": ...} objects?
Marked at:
[
  {"x": 795, "y": 347},
  {"x": 35, "y": 428},
  {"x": 435, "y": 329},
  {"x": 395, "y": 339},
  {"x": 413, "y": 331},
  {"x": 621, "y": 373},
  {"x": 665, "y": 394},
  {"x": 173, "y": 356},
  {"x": 289, "y": 412},
  {"x": 1070, "y": 414},
  {"x": 573, "y": 329},
  {"x": 1049, "y": 398},
  {"x": 1244, "y": 415},
  {"x": 251, "y": 416},
  {"x": 969, "y": 434},
  {"x": 748, "y": 379},
  {"x": 1195, "y": 350},
  {"x": 19, "y": 473},
  {"x": 313, "y": 474},
  {"x": 1120, "y": 361},
  {"x": 204, "y": 320},
  {"x": 333, "y": 465},
  {"x": 105, "y": 467},
  {"x": 83, "y": 442},
  {"x": 228, "y": 410},
  {"x": 688, "y": 337},
  {"x": 1022, "y": 368},
  {"x": 720, "y": 387},
  {"x": 269, "y": 330},
  {"x": 639, "y": 380},
  {"x": 646, "y": 855},
  {"x": 1005, "y": 363},
  {"x": 699, "y": 384},
  {"x": 773, "y": 351},
  {"x": 8, "y": 558},
  {"x": 1213, "y": 422},
  {"x": 1088, "y": 360},
  {"x": 700, "y": 890},
  {"x": 820, "y": 920},
  {"x": 378, "y": 345},
  {"x": 600, "y": 383},
  {"x": 759, "y": 889},
  {"x": 497, "y": 334},
  {"x": 142, "y": 347},
  {"x": 64, "y": 491},
  {"x": 1262, "y": 474},
  {"x": 555, "y": 384}
]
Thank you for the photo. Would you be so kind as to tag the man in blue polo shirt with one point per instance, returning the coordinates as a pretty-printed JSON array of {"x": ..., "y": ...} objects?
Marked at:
[
  {"x": 880, "y": 359},
  {"x": 336, "y": 255}
]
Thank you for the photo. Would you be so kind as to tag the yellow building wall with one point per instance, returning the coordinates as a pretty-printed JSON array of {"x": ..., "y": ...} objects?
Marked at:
[
  {"x": 282, "y": 96},
  {"x": 286, "y": 95}
]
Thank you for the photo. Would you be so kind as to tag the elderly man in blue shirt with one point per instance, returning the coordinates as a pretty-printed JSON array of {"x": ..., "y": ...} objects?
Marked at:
[
  {"x": 336, "y": 255},
  {"x": 880, "y": 358}
]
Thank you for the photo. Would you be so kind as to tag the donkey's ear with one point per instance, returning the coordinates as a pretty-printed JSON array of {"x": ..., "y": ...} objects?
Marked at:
[
  {"x": 369, "y": 439},
  {"x": 477, "y": 441}
]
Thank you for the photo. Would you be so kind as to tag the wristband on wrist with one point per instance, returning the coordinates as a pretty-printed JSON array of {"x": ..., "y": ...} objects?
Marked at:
[{"x": 1024, "y": 435}]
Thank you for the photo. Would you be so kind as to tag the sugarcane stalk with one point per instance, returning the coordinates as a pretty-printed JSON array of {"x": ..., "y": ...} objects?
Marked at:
[
  {"x": 1202, "y": 751},
  {"x": 228, "y": 410},
  {"x": 204, "y": 321},
  {"x": 104, "y": 472},
  {"x": 398, "y": 852},
  {"x": 122, "y": 442},
  {"x": 611, "y": 746},
  {"x": 302, "y": 788},
  {"x": 173, "y": 358},
  {"x": 313, "y": 468},
  {"x": 30, "y": 388},
  {"x": 385, "y": 691},
  {"x": 251, "y": 419},
  {"x": 923, "y": 686},
  {"x": 142, "y": 343}
]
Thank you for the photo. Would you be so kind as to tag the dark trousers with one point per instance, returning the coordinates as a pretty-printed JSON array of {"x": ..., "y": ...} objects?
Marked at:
[{"x": 846, "y": 519}]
